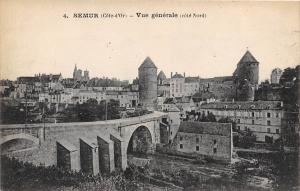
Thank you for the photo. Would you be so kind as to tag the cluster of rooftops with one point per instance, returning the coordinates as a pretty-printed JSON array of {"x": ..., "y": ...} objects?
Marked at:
[
  {"x": 223, "y": 129},
  {"x": 249, "y": 105}
]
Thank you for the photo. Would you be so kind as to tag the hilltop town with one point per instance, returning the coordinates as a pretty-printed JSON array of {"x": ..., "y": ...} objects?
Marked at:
[{"x": 234, "y": 119}]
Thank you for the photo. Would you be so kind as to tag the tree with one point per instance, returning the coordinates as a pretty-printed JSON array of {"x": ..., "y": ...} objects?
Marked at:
[
  {"x": 288, "y": 75},
  {"x": 247, "y": 140},
  {"x": 112, "y": 109},
  {"x": 211, "y": 117},
  {"x": 228, "y": 120},
  {"x": 88, "y": 110}
]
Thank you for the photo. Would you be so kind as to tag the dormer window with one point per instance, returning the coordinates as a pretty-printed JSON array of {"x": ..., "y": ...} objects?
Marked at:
[
  {"x": 225, "y": 106},
  {"x": 239, "y": 106},
  {"x": 252, "y": 106}
]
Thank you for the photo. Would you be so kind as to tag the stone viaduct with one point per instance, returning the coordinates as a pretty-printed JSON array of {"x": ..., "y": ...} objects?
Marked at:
[{"x": 93, "y": 147}]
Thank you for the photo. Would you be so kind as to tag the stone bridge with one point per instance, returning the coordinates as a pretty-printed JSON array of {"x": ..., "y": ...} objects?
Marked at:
[{"x": 93, "y": 147}]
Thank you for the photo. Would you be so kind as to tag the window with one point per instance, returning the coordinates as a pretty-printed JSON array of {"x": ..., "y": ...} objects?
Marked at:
[
  {"x": 238, "y": 127},
  {"x": 268, "y": 130},
  {"x": 197, "y": 140},
  {"x": 277, "y": 115},
  {"x": 180, "y": 138},
  {"x": 238, "y": 121},
  {"x": 181, "y": 146},
  {"x": 252, "y": 114},
  {"x": 171, "y": 132},
  {"x": 215, "y": 141},
  {"x": 215, "y": 150},
  {"x": 277, "y": 131},
  {"x": 197, "y": 148},
  {"x": 252, "y": 122},
  {"x": 268, "y": 122},
  {"x": 268, "y": 115}
]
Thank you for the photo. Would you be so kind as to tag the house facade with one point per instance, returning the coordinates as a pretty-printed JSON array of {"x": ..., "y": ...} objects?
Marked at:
[
  {"x": 263, "y": 118},
  {"x": 205, "y": 139}
]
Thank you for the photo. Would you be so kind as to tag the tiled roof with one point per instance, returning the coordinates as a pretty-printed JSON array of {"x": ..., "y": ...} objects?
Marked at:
[
  {"x": 203, "y": 96},
  {"x": 248, "y": 58},
  {"x": 184, "y": 99},
  {"x": 173, "y": 108},
  {"x": 255, "y": 105},
  {"x": 148, "y": 63},
  {"x": 212, "y": 128},
  {"x": 177, "y": 76},
  {"x": 191, "y": 79},
  {"x": 27, "y": 79},
  {"x": 217, "y": 79},
  {"x": 169, "y": 101}
]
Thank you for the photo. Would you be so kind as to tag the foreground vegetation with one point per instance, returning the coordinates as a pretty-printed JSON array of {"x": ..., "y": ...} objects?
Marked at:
[{"x": 16, "y": 175}]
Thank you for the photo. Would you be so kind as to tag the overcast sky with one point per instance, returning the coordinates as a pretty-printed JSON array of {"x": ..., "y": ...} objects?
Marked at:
[{"x": 35, "y": 38}]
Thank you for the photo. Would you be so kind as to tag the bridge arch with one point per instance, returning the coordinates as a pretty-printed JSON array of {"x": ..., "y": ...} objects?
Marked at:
[
  {"x": 19, "y": 136},
  {"x": 140, "y": 140}
]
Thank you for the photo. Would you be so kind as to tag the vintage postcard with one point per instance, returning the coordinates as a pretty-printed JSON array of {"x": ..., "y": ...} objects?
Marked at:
[{"x": 149, "y": 95}]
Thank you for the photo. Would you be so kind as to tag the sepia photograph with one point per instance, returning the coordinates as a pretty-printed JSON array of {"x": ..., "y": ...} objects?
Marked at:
[{"x": 132, "y": 95}]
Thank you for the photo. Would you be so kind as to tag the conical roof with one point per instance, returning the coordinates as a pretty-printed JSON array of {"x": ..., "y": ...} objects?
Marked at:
[
  {"x": 148, "y": 63},
  {"x": 248, "y": 58},
  {"x": 161, "y": 75}
]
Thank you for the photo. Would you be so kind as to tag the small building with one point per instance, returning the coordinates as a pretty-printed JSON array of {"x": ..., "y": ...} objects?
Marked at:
[
  {"x": 205, "y": 140},
  {"x": 127, "y": 99},
  {"x": 174, "y": 121}
]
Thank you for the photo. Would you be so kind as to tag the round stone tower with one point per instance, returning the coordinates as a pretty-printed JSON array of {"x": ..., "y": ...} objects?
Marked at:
[
  {"x": 148, "y": 83},
  {"x": 246, "y": 77},
  {"x": 247, "y": 68}
]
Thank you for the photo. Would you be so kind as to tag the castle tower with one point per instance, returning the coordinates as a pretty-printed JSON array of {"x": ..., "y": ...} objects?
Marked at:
[
  {"x": 246, "y": 77},
  {"x": 247, "y": 68},
  {"x": 148, "y": 83}
]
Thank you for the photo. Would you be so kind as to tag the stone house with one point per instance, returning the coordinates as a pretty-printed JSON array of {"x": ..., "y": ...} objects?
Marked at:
[
  {"x": 204, "y": 140},
  {"x": 191, "y": 85},
  {"x": 177, "y": 85}
]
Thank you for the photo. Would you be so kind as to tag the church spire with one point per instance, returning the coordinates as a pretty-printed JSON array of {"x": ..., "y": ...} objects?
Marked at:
[{"x": 75, "y": 71}]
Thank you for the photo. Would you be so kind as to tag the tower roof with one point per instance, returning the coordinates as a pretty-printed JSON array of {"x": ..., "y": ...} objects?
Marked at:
[
  {"x": 177, "y": 76},
  {"x": 248, "y": 57},
  {"x": 161, "y": 75},
  {"x": 148, "y": 63}
]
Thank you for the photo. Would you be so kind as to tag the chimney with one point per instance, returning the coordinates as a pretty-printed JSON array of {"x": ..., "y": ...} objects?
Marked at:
[
  {"x": 171, "y": 74},
  {"x": 183, "y": 74}
]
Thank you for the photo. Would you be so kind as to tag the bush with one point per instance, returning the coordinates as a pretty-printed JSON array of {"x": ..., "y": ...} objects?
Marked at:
[{"x": 16, "y": 175}]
